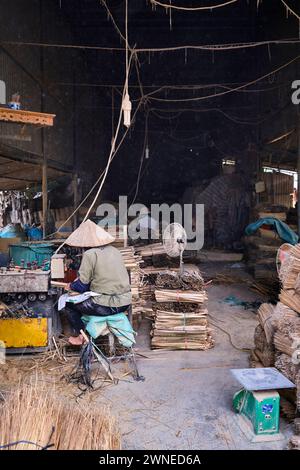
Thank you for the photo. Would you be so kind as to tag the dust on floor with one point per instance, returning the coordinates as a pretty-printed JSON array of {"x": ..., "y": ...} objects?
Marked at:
[{"x": 186, "y": 399}]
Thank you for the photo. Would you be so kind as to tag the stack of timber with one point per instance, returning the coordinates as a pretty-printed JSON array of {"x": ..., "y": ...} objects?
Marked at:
[{"x": 180, "y": 314}]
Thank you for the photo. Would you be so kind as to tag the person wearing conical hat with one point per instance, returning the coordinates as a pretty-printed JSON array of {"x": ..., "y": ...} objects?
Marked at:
[{"x": 103, "y": 272}]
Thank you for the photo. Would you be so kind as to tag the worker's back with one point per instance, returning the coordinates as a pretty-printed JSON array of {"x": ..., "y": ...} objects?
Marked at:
[{"x": 103, "y": 268}]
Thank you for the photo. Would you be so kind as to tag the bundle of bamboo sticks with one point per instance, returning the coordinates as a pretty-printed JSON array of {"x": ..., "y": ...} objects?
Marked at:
[
  {"x": 35, "y": 417},
  {"x": 290, "y": 298},
  {"x": 180, "y": 296},
  {"x": 284, "y": 344},
  {"x": 133, "y": 263},
  {"x": 284, "y": 364},
  {"x": 265, "y": 313},
  {"x": 181, "y": 331},
  {"x": 290, "y": 269},
  {"x": 180, "y": 315},
  {"x": 151, "y": 250},
  {"x": 279, "y": 330}
]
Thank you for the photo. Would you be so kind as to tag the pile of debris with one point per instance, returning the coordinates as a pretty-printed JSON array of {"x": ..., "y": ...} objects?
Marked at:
[
  {"x": 180, "y": 314},
  {"x": 277, "y": 337}
]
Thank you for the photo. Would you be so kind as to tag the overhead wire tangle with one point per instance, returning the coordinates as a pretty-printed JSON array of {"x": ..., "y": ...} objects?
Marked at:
[
  {"x": 113, "y": 151},
  {"x": 110, "y": 15},
  {"x": 208, "y": 47},
  {"x": 289, "y": 9},
  {"x": 218, "y": 110},
  {"x": 232, "y": 90},
  {"x": 125, "y": 90},
  {"x": 213, "y": 85},
  {"x": 98, "y": 180},
  {"x": 168, "y": 6}
]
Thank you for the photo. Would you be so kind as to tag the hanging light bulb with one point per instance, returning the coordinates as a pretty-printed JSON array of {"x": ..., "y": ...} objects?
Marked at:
[
  {"x": 147, "y": 153},
  {"x": 127, "y": 108}
]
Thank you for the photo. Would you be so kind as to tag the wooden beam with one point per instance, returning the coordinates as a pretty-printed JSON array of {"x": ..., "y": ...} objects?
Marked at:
[
  {"x": 45, "y": 196},
  {"x": 12, "y": 153},
  {"x": 27, "y": 117}
]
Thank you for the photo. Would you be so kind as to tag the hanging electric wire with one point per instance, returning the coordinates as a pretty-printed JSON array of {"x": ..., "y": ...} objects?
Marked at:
[
  {"x": 289, "y": 10},
  {"x": 137, "y": 50},
  {"x": 208, "y": 7},
  {"x": 145, "y": 144},
  {"x": 215, "y": 95}
]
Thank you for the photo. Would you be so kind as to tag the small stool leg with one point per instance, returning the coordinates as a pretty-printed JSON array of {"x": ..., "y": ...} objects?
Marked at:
[
  {"x": 130, "y": 315},
  {"x": 111, "y": 341}
]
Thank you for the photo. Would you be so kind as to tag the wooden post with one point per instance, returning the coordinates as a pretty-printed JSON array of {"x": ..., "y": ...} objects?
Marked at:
[
  {"x": 45, "y": 195},
  {"x": 75, "y": 193}
]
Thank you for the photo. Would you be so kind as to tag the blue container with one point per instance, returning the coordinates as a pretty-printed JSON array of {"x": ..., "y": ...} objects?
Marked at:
[
  {"x": 30, "y": 252},
  {"x": 4, "y": 259}
]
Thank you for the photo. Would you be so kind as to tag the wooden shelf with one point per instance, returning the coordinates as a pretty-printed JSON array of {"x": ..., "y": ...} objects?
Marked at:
[{"x": 26, "y": 117}]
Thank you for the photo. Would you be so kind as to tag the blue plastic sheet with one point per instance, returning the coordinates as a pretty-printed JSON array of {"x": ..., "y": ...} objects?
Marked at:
[
  {"x": 11, "y": 231},
  {"x": 285, "y": 233}
]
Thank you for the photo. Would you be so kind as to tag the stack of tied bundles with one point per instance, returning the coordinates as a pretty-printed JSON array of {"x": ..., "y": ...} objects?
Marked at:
[
  {"x": 180, "y": 318},
  {"x": 133, "y": 263},
  {"x": 261, "y": 248},
  {"x": 289, "y": 275},
  {"x": 260, "y": 254},
  {"x": 277, "y": 344}
]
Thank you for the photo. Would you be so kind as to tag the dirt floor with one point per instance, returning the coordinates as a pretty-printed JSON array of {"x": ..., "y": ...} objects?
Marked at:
[{"x": 185, "y": 401}]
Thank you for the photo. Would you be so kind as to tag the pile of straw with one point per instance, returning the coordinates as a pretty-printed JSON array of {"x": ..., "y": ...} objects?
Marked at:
[{"x": 41, "y": 418}]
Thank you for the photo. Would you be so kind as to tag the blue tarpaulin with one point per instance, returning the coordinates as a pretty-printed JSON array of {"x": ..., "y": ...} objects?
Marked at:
[{"x": 285, "y": 233}]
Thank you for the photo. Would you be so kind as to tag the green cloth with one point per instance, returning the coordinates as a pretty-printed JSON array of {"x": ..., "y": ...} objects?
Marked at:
[
  {"x": 117, "y": 324},
  {"x": 103, "y": 268}
]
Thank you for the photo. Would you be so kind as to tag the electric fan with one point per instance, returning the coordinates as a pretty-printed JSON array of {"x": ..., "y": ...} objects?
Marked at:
[{"x": 175, "y": 242}]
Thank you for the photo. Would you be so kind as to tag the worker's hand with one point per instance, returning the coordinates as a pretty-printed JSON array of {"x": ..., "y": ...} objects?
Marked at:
[{"x": 68, "y": 287}]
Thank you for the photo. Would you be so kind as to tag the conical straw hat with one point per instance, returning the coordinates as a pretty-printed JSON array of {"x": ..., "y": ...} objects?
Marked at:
[{"x": 89, "y": 235}]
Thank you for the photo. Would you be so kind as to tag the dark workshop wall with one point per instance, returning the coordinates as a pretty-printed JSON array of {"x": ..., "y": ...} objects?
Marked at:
[{"x": 33, "y": 71}]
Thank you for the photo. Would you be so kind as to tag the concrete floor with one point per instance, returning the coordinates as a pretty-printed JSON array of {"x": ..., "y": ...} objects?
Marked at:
[{"x": 185, "y": 401}]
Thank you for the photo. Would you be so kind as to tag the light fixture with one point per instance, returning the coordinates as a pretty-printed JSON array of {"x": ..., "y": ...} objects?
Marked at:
[
  {"x": 127, "y": 108},
  {"x": 147, "y": 153}
]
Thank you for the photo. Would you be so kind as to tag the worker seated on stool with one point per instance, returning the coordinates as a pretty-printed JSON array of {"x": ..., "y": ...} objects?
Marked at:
[{"x": 103, "y": 272}]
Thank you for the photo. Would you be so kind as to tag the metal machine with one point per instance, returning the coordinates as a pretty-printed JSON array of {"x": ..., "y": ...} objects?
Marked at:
[
  {"x": 258, "y": 403},
  {"x": 28, "y": 317}
]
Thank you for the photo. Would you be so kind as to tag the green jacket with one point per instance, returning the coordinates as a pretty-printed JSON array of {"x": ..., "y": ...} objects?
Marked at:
[{"x": 103, "y": 268}]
